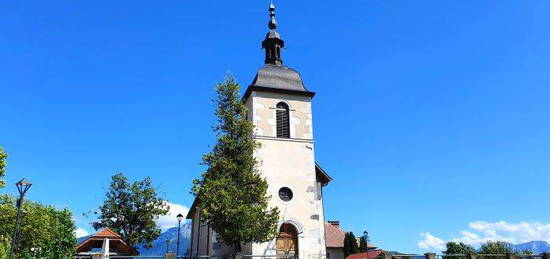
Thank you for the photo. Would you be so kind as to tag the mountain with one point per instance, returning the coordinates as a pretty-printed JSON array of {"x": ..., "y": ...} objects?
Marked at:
[
  {"x": 159, "y": 245},
  {"x": 536, "y": 247}
]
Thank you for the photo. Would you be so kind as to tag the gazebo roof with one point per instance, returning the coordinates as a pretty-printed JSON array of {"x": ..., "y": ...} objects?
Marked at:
[{"x": 115, "y": 242}]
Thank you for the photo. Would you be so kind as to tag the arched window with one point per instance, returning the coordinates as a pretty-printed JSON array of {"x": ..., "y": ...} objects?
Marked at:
[{"x": 283, "y": 128}]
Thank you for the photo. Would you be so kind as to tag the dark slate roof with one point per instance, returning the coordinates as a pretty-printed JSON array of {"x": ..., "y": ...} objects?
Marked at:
[{"x": 276, "y": 78}]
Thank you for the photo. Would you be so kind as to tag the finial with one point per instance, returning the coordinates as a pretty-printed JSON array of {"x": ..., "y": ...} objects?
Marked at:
[{"x": 272, "y": 22}]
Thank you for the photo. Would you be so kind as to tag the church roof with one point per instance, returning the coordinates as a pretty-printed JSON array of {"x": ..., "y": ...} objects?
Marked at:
[
  {"x": 278, "y": 78},
  {"x": 273, "y": 76},
  {"x": 322, "y": 176}
]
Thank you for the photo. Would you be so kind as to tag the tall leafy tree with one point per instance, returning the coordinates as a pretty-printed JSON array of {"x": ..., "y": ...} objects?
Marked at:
[
  {"x": 45, "y": 232},
  {"x": 497, "y": 247},
  {"x": 458, "y": 248},
  {"x": 131, "y": 209},
  {"x": 3, "y": 157},
  {"x": 350, "y": 244},
  {"x": 232, "y": 193}
]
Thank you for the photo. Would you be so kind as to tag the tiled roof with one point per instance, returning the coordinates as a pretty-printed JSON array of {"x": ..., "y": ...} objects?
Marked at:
[
  {"x": 334, "y": 236},
  {"x": 106, "y": 233},
  {"x": 371, "y": 255}
]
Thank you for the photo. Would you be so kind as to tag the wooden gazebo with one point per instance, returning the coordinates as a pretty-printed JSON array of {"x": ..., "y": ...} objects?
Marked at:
[{"x": 108, "y": 241}]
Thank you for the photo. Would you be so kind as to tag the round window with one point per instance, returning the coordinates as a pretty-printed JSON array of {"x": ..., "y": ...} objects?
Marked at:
[{"x": 285, "y": 194}]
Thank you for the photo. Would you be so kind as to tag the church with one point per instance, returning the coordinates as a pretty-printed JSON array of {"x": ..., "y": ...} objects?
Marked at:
[{"x": 279, "y": 106}]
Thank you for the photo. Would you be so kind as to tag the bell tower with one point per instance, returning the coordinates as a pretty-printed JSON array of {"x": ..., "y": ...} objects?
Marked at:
[{"x": 279, "y": 105}]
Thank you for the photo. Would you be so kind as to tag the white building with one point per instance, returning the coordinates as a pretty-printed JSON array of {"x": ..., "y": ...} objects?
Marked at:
[{"x": 280, "y": 107}]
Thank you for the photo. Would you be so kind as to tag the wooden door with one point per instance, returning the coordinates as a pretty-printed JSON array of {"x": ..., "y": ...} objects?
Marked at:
[{"x": 287, "y": 241}]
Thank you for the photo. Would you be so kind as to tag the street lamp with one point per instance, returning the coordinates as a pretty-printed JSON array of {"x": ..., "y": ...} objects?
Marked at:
[
  {"x": 22, "y": 186},
  {"x": 180, "y": 218},
  {"x": 366, "y": 238}
]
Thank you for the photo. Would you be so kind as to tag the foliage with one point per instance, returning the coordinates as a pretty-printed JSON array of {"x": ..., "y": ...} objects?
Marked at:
[
  {"x": 363, "y": 244},
  {"x": 4, "y": 246},
  {"x": 44, "y": 232},
  {"x": 3, "y": 157},
  {"x": 458, "y": 248},
  {"x": 130, "y": 209},
  {"x": 497, "y": 247},
  {"x": 350, "y": 244},
  {"x": 232, "y": 193}
]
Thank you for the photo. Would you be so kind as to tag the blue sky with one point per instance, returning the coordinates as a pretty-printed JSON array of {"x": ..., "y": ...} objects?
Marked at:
[{"x": 432, "y": 117}]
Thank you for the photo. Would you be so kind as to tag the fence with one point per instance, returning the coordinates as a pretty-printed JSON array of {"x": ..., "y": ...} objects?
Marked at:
[
  {"x": 382, "y": 256},
  {"x": 173, "y": 256},
  {"x": 465, "y": 256}
]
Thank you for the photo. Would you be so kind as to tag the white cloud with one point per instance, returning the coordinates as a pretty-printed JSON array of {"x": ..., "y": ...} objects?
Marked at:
[
  {"x": 80, "y": 232},
  {"x": 430, "y": 242},
  {"x": 480, "y": 232},
  {"x": 169, "y": 220}
]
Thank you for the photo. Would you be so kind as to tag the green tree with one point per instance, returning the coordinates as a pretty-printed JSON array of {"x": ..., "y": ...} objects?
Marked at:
[
  {"x": 131, "y": 209},
  {"x": 497, "y": 247},
  {"x": 45, "y": 232},
  {"x": 3, "y": 157},
  {"x": 350, "y": 244},
  {"x": 4, "y": 246},
  {"x": 458, "y": 248},
  {"x": 232, "y": 193},
  {"x": 363, "y": 244}
]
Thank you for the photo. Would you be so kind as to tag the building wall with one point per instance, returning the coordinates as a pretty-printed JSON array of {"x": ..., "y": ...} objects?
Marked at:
[
  {"x": 290, "y": 163},
  {"x": 202, "y": 237},
  {"x": 335, "y": 253},
  {"x": 262, "y": 107}
]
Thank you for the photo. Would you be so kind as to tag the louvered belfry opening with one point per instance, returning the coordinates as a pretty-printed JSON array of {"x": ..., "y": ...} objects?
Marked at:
[{"x": 283, "y": 127}]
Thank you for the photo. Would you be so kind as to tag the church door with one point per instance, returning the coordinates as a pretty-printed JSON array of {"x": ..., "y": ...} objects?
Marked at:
[{"x": 287, "y": 242}]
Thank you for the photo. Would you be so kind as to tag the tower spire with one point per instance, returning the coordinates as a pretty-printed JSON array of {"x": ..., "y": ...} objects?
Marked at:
[
  {"x": 273, "y": 42},
  {"x": 272, "y": 22}
]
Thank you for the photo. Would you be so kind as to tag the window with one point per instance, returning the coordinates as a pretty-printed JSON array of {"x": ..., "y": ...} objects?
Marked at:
[
  {"x": 285, "y": 194},
  {"x": 283, "y": 128}
]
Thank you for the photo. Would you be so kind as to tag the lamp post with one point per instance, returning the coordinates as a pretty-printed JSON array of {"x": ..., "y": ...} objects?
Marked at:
[
  {"x": 366, "y": 237},
  {"x": 180, "y": 218},
  {"x": 22, "y": 186}
]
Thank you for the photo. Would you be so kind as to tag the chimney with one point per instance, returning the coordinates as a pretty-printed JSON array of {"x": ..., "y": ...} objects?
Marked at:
[{"x": 335, "y": 223}]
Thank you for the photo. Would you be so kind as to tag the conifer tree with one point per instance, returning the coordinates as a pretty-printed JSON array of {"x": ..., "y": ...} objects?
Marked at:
[
  {"x": 350, "y": 244},
  {"x": 232, "y": 193},
  {"x": 363, "y": 245}
]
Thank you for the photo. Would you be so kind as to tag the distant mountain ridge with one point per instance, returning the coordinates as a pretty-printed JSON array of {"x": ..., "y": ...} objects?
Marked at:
[
  {"x": 171, "y": 235},
  {"x": 536, "y": 247}
]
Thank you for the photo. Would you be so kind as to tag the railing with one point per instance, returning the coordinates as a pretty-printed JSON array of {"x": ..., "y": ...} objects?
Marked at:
[
  {"x": 382, "y": 256},
  {"x": 173, "y": 256},
  {"x": 465, "y": 256}
]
